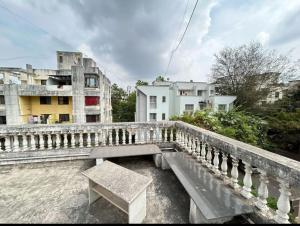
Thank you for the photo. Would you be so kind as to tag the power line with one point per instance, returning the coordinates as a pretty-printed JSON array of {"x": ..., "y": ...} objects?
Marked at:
[{"x": 174, "y": 50}]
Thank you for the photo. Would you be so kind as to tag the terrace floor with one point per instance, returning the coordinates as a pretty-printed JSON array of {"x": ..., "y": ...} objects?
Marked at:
[{"x": 57, "y": 193}]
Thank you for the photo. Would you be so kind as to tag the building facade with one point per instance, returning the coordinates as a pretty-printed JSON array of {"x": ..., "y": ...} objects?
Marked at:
[
  {"x": 161, "y": 100},
  {"x": 77, "y": 91}
]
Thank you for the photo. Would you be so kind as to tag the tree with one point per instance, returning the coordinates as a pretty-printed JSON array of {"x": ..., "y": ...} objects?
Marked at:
[
  {"x": 249, "y": 71},
  {"x": 123, "y": 105},
  {"x": 160, "y": 78},
  {"x": 141, "y": 83}
]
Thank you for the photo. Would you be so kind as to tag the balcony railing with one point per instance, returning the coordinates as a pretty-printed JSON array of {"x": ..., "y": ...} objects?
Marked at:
[{"x": 211, "y": 150}]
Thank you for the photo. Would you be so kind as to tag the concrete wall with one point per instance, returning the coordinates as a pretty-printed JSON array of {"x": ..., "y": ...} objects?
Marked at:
[
  {"x": 78, "y": 94},
  {"x": 141, "y": 107},
  {"x": 12, "y": 104},
  {"x": 69, "y": 59}
]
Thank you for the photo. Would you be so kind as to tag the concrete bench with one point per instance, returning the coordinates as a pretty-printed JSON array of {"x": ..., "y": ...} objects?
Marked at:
[
  {"x": 122, "y": 187},
  {"x": 210, "y": 200}
]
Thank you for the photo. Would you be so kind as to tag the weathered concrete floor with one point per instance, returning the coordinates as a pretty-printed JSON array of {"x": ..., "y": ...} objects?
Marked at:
[{"x": 57, "y": 193}]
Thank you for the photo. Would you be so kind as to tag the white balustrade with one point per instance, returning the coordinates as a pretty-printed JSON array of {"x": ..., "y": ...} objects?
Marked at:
[
  {"x": 32, "y": 142},
  {"x": 25, "y": 143},
  {"x": 81, "y": 139},
  {"x": 209, "y": 157},
  {"x": 73, "y": 141},
  {"x": 234, "y": 173},
  {"x": 123, "y": 136},
  {"x": 246, "y": 190},
  {"x": 16, "y": 143},
  {"x": 117, "y": 136},
  {"x": 216, "y": 162},
  {"x": 65, "y": 140},
  {"x": 283, "y": 203},
  {"x": 262, "y": 192},
  {"x": 224, "y": 167}
]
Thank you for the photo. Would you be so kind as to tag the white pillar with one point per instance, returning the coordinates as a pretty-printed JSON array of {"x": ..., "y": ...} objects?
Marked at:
[
  {"x": 16, "y": 143},
  {"x": 209, "y": 157},
  {"x": 110, "y": 138},
  {"x": 117, "y": 136},
  {"x": 123, "y": 136},
  {"x": 262, "y": 191},
  {"x": 216, "y": 162},
  {"x": 7, "y": 144},
  {"x": 32, "y": 143},
  {"x": 159, "y": 134},
  {"x": 104, "y": 137},
  {"x": 166, "y": 135},
  {"x": 130, "y": 137},
  {"x": 89, "y": 141},
  {"x": 224, "y": 167},
  {"x": 25, "y": 143},
  {"x": 42, "y": 143},
  {"x": 203, "y": 153},
  {"x": 246, "y": 190},
  {"x": 73, "y": 142},
  {"x": 49, "y": 143},
  {"x": 234, "y": 173},
  {"x": 198, "y": 150},
  {"x": 283, "y": 203},
  {"x": 142, "y": 141},
  {"x": 65, "y": 140},
  {"x": 81, "y": 139},
  {"x": 96, "y": 139}
]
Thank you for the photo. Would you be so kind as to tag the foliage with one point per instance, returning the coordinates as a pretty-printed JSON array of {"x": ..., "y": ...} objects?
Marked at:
[
  {"x": 249, "y": 71},
  {"x": 234, "y": 124},
  {"x": 123, "y": 105},
  {"x": 160, "y": 78},
  {"x": 141, "y": 83}
]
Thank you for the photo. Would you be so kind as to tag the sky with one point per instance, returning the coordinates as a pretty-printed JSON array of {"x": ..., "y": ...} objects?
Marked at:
[{"x": 133, "y": 39}]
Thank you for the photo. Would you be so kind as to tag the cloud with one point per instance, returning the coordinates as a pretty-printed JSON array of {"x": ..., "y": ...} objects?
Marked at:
[{"x": 263, "y": 37}]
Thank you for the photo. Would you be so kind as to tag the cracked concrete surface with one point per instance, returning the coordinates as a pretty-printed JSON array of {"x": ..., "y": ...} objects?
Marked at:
[{"x": 57, "y": 193}]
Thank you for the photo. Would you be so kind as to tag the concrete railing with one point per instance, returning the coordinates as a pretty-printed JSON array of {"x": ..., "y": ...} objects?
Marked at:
[{"x": 214, "y": 151}]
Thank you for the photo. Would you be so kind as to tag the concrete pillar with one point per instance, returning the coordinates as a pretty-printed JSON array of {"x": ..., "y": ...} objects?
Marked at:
[
  {"x": 12, "y": 106},
  {"x": 78, "y": 99}
]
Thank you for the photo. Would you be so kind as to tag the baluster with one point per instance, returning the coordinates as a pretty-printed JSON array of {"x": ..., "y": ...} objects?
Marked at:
[
  {"x": 65, "y": 140},
  {"x": 262, "y": 191},
  {"x": 49, "y": 141},
  {"x": 224, "y": 167},
  {"x": 246, "y": 190},
  {"x": 58, "y": 141},
  {"x": 216, "y": 162},
  {"x": 41, "y": 138},
  {"x": 81, "y": 139},
  {"x": 178, "y": 136},
  {"x": 159, "y": 134},
  {"x": 32, "y": 144},
  {"x": 25, "y": 143},
  {"x": 110, "y": 137},
  {"x": 129, "y": 136},
  {"x": 104, "y": 137},
  {"x": 73, "y": 141},
  {"x": 148, "y": 135},
  {"x": 96, "y": 139},
  {"x": 117, "y": 136},
  {"x": 16, "y": 143},
  {"x": 234, "y": 173},
  {"x": 203, "y": 153},
  {"x": 166, "y": 135},
  {"x": 194, "y": 154},
  {"x": 7, "y": 144},
  {"x": 137, "y": 138},
  {"x": 283, "y": 203},
  {"x": 142, "y": 136},
  {"x": 209, "y": 157},
  {"x": 190, "y": 144},
  {"x": 171, "y": 135},
  {"x": 89, "y": 140},
  {"x": 123, "y": 136},
  {"x": 198, "y": 150},
  {"x": 186, "y": 142}
]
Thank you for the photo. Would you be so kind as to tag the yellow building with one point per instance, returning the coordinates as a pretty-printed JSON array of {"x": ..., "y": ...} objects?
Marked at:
[{"x": 46, "y": 109}]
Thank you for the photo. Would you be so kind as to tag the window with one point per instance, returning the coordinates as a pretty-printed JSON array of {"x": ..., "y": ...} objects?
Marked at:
[
  {"x": 64, "y": 118},
  {"x": 189, "y": 107},
  {"x": 63, "y": 100},
  {"x": 199, "y": 92},
  {"x": 153, "y": 102},
  {"x": 163, "y": 116},
  {"x": 91, "y": 100},
  {"x": 202, "y": 105},
  {"x": 93, "y": 118},
  {"x": 43, "y": 82},
  {"x": 60, "y": 59},
  {"x": 152, "y": 116},
  {"x": 91, "y": 81},
  {"x": 163, "y": 99},
  {"x": 45, "y": 100},
  {"x": 2, "y": 100},
  {"x": 222, "y": 107},
  {"x": 2, "y": 119},
  {"x": 276, "y": 94}
]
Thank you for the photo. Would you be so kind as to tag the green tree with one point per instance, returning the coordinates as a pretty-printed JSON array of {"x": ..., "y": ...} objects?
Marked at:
[
  {"x": 160, "y": 78},
  {"x": 141, "y": 83}
]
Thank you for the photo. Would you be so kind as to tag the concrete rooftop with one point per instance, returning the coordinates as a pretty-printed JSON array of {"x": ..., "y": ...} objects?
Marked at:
[{"x": 57, "y": 193}]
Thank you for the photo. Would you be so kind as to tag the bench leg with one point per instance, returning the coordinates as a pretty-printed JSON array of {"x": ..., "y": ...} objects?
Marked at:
[
  {"x": 137, "y": 209},
  {"x": 93, "y": 196},
  {"x": 99, "y": 161},
  {"x": 157, "y": 160}
]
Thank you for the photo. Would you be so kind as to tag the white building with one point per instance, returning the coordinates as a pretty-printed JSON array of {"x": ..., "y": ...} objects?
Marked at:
[{"x": 161, "y": 100}]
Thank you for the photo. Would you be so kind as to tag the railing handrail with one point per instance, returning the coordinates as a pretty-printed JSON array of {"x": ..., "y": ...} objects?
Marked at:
[{"x": 272, "y": 163}]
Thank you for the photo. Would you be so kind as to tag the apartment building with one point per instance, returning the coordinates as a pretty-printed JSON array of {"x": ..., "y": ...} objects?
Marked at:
[
  {"x": 161, "y": 100},
  {"x": 77, "y": 91}
]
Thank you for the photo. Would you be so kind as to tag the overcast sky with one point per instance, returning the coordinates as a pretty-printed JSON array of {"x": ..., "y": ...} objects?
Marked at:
[{"x": 133, "y": 39}]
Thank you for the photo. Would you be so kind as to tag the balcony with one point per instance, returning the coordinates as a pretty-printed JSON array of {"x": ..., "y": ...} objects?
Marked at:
[
  {"x": 228, "y": 160},
  {"x": 48, "y": 90}
]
